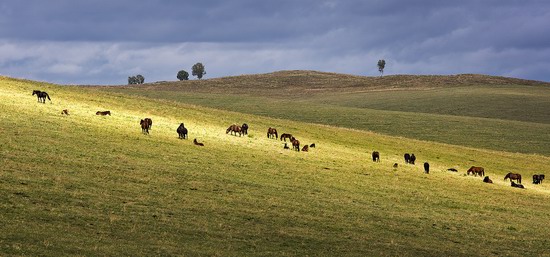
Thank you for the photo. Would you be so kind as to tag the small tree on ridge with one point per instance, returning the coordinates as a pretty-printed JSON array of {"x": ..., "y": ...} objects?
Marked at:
[{"x": 198, "y": 70}]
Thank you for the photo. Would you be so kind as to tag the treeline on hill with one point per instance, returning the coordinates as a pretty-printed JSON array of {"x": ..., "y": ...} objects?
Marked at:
[{"x": 198, "y": 71}]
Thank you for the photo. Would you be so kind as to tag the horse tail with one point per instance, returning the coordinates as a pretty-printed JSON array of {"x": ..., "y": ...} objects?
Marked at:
[{"x": 48, "y": 96}]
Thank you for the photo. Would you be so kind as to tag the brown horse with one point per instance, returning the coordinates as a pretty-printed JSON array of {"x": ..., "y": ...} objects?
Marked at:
[
  {"x": 144, "y": 126},
  {"x": 537, "y": 179},
  {"x": 65, "y": 111},
  {"x": 197, "y": 143},
  {"x": 285, "y": 136},
  {"x": 296, "y": 144},
  {"x": 103, "y": 113},
  {"x": 476, "y": 171},
  {"x": 149, "y": 122},
  {"x": 513, "y": 176},
  {"x": 272, "y": 132},
  {"x": 375, "y": 156},
  {"x": 234, "y": 129},
  {"x": 305, "y": 148}
]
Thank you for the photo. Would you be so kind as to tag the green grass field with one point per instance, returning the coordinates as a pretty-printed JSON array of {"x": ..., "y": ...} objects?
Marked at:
[
  {"x": 92, "y": 185},
  {"x": 471, "y": 110}
]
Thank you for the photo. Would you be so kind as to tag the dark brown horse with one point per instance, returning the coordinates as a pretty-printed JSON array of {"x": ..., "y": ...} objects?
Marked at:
[
  {"x": 513, "y": 176},
  {"x": 427, "y": 167},
  {"x": 487, "y": 180},
  {"x": 407, "y": 157},
  {"x": 182, "y": 131},
  {"x": 476, "y": 171},
  {"x": 103, "y": 113},
  {"x": 285, "y": 136},
  {"x": 244, "y": 129},
  {"x": 537, "y": 179},
  {"x": 197, "y": 143},
  {"x": 375, "y": 156},
  {"x": 519, "y": 185},
  {"x": 296, "y": 144},
  {"x": 412, "y": 159},
  {"x": 149, "y": 122},
  {"x": 144, "y": 126},
  {"x": 41, "y": 96},
  {"x": 312, "y": 145},
  {"x": 234, "y": 129},
  {"x": 272, "y": 132}
]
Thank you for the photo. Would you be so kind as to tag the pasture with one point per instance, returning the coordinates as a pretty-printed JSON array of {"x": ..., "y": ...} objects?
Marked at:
[
  {"x": 478, "y": 111},
  {"x": 96, "y": 185}
]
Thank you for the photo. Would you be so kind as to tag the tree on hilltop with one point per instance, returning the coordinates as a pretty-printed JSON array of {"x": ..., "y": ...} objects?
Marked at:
[
  {"x": 138, "y": 79},
  {"x": 198, "y": 70},
  {"x": 381, "y": 66},
  {"x": 183, "y": 75}
]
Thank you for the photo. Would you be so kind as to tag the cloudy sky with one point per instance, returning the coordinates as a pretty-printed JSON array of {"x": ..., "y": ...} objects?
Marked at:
[{"x": 105, "y": 41}]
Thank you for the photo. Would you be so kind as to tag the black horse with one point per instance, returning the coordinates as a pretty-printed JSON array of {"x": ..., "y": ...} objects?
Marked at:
[
  {"x": 407, "y": 157},
  {"x": 427, "y": 167},
  {"x": 244, "y": 129},
  {"x": 413, "y": 159},
  {"x": 182, "y": 131},
  {"x": 375, "y": 156},
  {"x": 41, "y": 96}
]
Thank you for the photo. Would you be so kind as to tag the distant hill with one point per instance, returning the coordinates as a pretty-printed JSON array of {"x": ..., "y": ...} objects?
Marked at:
[{"x": 290, "y": 83}]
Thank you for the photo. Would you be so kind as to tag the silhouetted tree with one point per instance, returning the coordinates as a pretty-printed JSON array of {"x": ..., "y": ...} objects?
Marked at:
[
  {"x": 381, "y": 66},
  {"x": 183, "y": 75},
  {"x": 138, "y": 79},
  {"x": 198, "y": 70}
]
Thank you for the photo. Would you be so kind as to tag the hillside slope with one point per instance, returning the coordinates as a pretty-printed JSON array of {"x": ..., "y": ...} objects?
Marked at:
[
  {"x": 91, "y": 185},
  {"x": 470, "y": 110}
]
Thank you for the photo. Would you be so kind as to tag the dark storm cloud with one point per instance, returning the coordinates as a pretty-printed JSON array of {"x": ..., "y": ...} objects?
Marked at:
[{"x": 99, "y": 41}]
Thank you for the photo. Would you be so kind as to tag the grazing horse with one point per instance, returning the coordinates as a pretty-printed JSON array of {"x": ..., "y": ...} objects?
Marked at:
[
  {"x": 513, "y": 176},
  {"x": 197, "y": 143},
  {"x": 41, "y": 96},
  {"x": 235, "y": 129},
  {"x": 182, "y": 131},
  {"x": 519, "y": 185},
  {"x": 427, "y": 167},
  {"x": 144, "y": 126},
  {"x": 65, "y": 111},
  {"x": 295, "y": 144},
  {"x": 375, "y": 156},
  {"x": 407, "y": 157},
  {"x": 244, "y": 129},
  {"x": 103, "y": 113},
  {"x": 312, "y": 145},
  {"x": 476, "y": 171},
  {"x": 412, "y": 159},
  {"x": 305, "y": 148},
  {"x": 285, "y": 136},
  {"x": 537, "y": 179},
  {"x": 272, "y": 132},
  {"x": 487, "y": 180}
]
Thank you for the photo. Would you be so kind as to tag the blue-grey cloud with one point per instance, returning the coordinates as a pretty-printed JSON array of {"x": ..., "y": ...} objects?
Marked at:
[{"x": 104, "y": 41}]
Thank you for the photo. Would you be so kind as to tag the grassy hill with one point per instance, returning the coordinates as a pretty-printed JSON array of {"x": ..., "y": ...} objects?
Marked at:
[
  {"x": 471, "y": 110},
  {"x": 92, "y": 185}
]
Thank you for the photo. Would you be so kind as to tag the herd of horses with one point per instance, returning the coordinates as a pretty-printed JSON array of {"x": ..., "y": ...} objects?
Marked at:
[{"x": 182, "y": 131}]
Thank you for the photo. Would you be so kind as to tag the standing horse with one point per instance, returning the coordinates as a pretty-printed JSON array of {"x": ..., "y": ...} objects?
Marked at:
[
  {"x": 476, "y": 171},
  {"x": 182, "y": 131},
  {"x": 244, "y": 129},
  {"x": 149, "y": 122},
  {"x": 41, "y": 96},
  {"x": 235, "y": 129},
  {"x": 375, "y": 156},
  {"x": 272, "y": 132},
  {"x": 407, "y": 157},
  {"x": 413, "y": 159},
  {"x": 296, "y": 144},
  {"x": 513, "y": 176},
  {"x": 144, "y": 126},
  {"x": 537, "y": 179},
  {"x": 427, "y": 167},
  {"x": 285, "y": 136}
]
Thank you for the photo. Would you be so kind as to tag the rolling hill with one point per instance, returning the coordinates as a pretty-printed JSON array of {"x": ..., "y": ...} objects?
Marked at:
[
  {"x": 477, "y": 111},
  {"x": 95, "y": 185}
]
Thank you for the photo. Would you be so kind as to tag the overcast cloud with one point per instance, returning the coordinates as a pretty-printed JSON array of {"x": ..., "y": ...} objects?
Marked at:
[{"x": 105, "y": 41}]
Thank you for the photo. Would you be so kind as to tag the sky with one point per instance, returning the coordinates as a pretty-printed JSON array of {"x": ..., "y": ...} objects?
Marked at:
[{"x": 105, "y": 41}]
